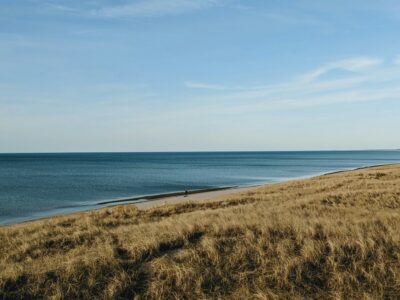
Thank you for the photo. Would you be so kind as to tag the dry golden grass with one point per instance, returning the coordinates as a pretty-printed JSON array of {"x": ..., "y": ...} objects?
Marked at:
[{"x": 330, "y": 237}]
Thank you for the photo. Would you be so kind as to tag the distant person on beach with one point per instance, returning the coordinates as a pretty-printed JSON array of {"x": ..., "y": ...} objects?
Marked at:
[{"x": 186, "y": 193}]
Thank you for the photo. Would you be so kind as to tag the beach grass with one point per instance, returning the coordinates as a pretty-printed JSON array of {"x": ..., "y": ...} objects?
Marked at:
[{"x": 329, "y": 237}]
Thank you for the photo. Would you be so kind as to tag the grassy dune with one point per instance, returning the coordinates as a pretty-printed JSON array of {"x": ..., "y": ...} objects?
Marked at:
[{"x": 330, "y": 237}]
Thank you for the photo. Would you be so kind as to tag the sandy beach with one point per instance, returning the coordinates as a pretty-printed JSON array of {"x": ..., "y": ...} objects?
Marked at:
[{"x": 196, "y": 197}]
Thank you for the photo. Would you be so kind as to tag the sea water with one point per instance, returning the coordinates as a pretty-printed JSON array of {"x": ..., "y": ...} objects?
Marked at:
[{"x": 39, "y": 185}]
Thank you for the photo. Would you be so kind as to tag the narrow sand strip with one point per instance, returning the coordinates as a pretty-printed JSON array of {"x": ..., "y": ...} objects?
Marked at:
[{"x": 206, "y": 196}]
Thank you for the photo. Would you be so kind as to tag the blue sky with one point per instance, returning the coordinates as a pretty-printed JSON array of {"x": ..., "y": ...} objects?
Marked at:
[{"x": 184, "y": 75}]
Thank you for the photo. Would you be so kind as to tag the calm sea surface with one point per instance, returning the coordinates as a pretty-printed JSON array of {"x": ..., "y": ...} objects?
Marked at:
[{"x": 39, "y": 185}]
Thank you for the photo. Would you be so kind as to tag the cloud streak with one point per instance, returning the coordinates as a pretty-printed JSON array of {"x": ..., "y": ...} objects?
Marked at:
[
  {"x": 204, "y": 86},
  {"x": 357, "y": 64},
  {"x": 148, "y": 8}
]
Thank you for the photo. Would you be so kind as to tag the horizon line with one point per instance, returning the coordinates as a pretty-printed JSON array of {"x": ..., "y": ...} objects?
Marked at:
[{"x": 205, "y": 151}]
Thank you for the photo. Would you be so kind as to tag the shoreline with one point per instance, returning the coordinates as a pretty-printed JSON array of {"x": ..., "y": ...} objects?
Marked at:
[
  {"x": 208, "y": 194},
  {"x": 164, "y": 195},
  {"x": 194, "y": 197}
]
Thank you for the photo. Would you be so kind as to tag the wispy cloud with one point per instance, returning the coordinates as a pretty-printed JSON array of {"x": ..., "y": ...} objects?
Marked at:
[
  {"x": 352, "y": 65},
  {"x": 205, "y": 86},
  {"x": 291, "y": 102},
  {"x": 363, "y": 84},
  {"x": 397, "y": 60},
  {"x": 282, "y": 17},
  {"x": 145, "y": 8},
  {"x": 60, "y": 7}
]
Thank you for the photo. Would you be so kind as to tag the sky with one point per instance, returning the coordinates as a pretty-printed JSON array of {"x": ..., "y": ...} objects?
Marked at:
[{"x": 199, "y": 75}]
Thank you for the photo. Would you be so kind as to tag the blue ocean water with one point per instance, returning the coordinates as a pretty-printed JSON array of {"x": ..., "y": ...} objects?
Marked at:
[{"x": 39, "y": 185}]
